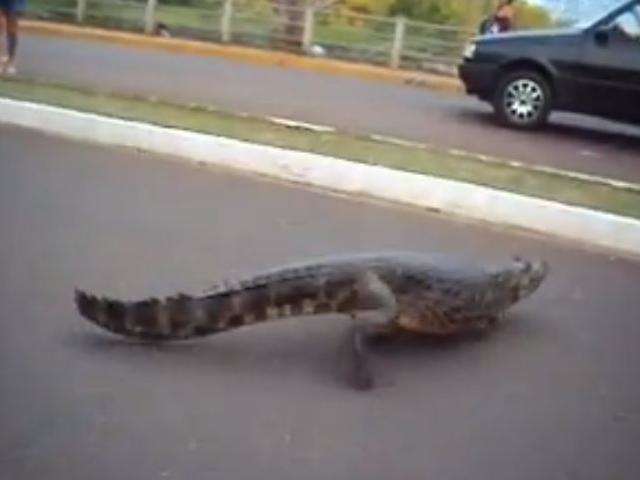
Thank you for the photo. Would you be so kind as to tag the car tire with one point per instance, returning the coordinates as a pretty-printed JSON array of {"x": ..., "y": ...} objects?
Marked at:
[{"x": 523, "y": 99}]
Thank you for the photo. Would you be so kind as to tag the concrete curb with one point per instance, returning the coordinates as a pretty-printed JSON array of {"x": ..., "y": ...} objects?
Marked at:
[
  {"x": 248, "y": 55},
  {"x": 463, "y": 199}
]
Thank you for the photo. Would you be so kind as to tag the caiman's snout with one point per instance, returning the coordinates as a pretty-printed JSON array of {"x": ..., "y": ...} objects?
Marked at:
[{"x": 530, "y": 275}]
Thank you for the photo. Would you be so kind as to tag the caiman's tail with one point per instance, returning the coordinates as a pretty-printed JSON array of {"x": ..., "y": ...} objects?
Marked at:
[
  {"x": 172, "y": 318},
  {"x": 183, "y": 316}
]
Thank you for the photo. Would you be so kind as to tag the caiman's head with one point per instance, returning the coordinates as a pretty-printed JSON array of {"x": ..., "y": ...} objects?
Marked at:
[{"x": 526, "y": 277}]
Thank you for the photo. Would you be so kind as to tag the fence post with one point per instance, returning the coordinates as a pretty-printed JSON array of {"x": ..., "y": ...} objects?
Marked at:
[
  {"x": 81, "y": 8},
  {"x": 398, "y": 40},
  {"x": 225, "y": 20},
  {"x": 307, "y": 34},
  {"x": 150, "y": 16}
]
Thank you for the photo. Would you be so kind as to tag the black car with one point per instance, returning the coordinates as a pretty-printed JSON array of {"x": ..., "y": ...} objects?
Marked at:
[{"x": 593, "y": 68}]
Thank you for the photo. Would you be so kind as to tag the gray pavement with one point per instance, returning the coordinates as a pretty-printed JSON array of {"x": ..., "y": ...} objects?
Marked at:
[
  {"x": 553, "y": 394},
  {"x": 572, "y": 142}
]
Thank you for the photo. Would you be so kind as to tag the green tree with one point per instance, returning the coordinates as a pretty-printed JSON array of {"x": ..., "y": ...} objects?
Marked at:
[
  {"x": 532, "y": 16},
  {"x": 372, "y": 7},
  {"x": 432, "y": 11},
  {"x": 465, "y": 13}
]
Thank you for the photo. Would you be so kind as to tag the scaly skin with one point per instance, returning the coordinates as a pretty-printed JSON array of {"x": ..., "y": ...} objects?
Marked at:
[{"x": 382, "y": 293}]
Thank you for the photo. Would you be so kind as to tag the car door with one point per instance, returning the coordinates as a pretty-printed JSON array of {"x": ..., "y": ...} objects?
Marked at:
[{"x": 610, "y": 70}]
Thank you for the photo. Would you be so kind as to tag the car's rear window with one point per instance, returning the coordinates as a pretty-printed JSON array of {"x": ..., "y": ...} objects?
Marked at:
[{"x": 587, "y": 12}]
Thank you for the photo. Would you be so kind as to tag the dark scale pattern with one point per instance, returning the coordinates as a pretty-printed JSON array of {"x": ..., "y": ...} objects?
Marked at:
[
  {"x": 143, "y": 317},
  {"x": 255, "y": 303},
  {"x": 210, "y": 307},
  {"x": 180, "y": 314},
  {"x": 116, "y": 313},
  {"x": 322, "y": 306},
  {"x": 340, "y": 294},
  {"x": 291, "y": 295},
  {"x": 236, "y": 320},
  {"x": 220, "y": 309}
]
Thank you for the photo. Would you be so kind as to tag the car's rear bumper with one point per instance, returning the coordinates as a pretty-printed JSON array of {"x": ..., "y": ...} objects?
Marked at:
[{"x": 478, "y": 78}]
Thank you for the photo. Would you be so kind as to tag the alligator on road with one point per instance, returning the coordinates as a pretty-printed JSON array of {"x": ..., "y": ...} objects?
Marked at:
[{"x": 383, "y": 294}]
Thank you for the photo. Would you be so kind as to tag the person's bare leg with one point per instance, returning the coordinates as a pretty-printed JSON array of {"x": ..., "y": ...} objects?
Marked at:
[
  {"x": 4, "y": 56},
  {"x": 11, "y": 21}
]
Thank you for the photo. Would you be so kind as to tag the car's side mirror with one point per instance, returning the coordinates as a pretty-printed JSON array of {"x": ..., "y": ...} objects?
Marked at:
[{"x": 602, "y": 36}]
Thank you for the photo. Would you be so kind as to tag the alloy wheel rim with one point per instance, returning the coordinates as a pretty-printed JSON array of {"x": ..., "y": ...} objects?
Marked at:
[{"x": 523, "y": 101}]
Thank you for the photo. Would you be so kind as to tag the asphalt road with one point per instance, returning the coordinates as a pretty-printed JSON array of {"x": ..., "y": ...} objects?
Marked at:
[
  {"x": 572, "y": 142},
  {"x": 553, "y": 394}
]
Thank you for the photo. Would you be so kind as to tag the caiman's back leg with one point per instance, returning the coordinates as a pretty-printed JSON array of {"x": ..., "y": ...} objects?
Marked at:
[{"x": 373, "y": 308}]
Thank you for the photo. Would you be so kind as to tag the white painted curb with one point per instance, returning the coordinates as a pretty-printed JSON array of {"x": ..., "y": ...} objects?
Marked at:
[{"x": 467, "y": 200}]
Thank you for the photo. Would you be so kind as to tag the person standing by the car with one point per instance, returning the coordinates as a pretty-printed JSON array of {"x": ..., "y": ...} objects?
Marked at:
[
  {"x": 10, "y": 10},
  {"x": 501, "y": 20},
  {"x": 504, "y": 16}
]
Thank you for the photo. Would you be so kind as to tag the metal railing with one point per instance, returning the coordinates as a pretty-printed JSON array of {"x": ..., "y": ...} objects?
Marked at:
[{"x": 333, "y": 32}]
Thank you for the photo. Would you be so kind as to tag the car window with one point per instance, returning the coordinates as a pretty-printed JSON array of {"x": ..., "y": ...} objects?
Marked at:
[
  {"x": 628, "y": 23},
  {"x": 586, "y": 14}
]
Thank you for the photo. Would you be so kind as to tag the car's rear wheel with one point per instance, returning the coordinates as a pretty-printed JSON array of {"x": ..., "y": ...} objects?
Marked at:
[{"x": 523, "y": 99}]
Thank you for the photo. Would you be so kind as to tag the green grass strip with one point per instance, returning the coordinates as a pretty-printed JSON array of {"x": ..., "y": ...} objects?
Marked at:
[{"x": 419, "y": 160}]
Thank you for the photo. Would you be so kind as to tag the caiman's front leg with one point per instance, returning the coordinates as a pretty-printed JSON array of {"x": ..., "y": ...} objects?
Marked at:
[{"x": 373, "y": 312}]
